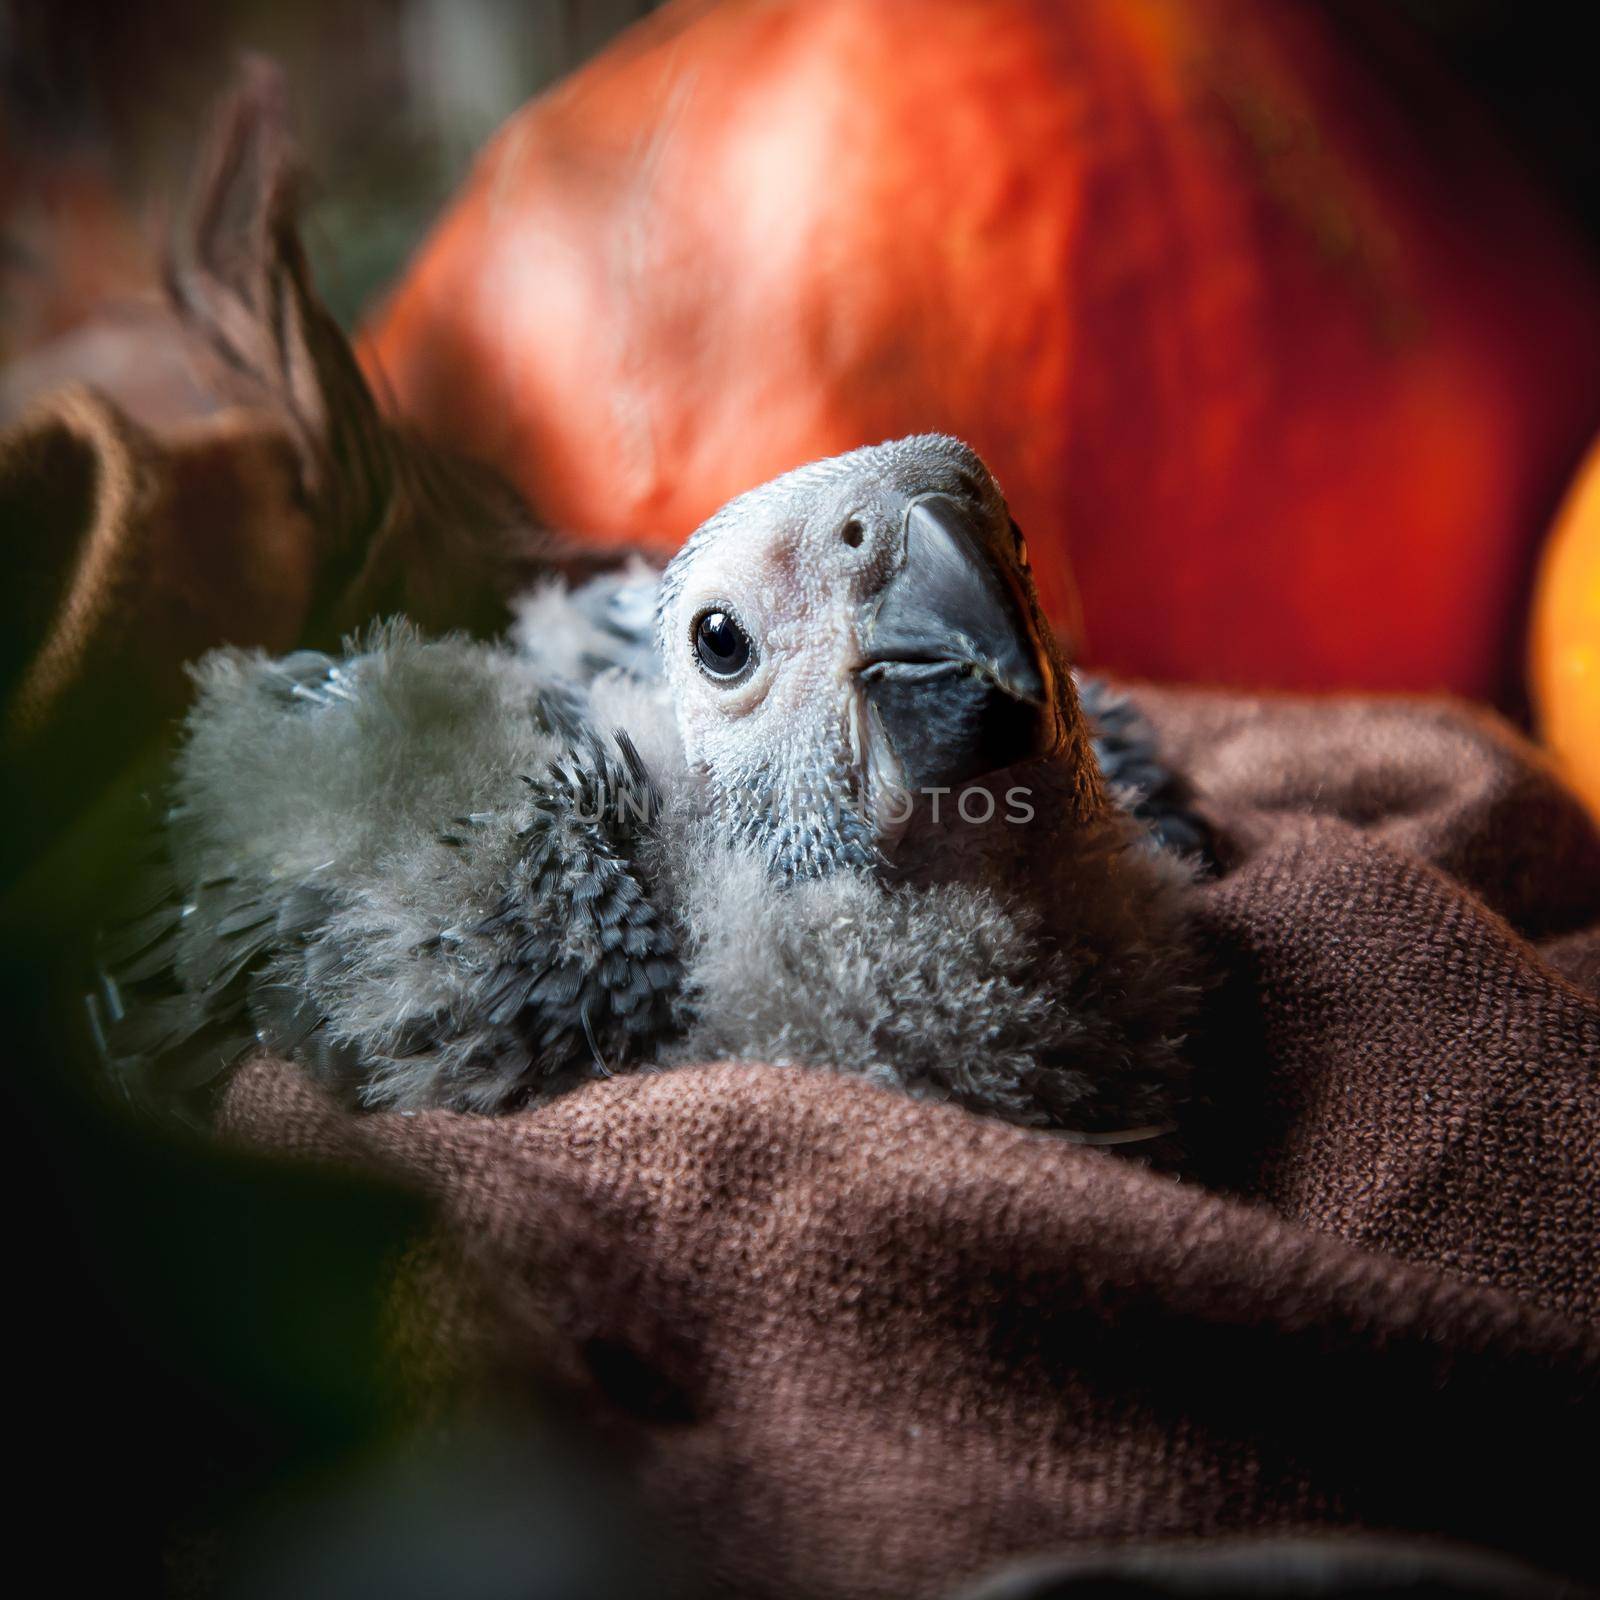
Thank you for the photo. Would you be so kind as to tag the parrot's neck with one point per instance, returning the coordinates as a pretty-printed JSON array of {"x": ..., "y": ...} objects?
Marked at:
[{"x": 803, "y": 825}]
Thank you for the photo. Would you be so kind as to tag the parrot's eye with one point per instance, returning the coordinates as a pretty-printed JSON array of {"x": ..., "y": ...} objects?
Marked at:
[{"x": 722, "y": 646}]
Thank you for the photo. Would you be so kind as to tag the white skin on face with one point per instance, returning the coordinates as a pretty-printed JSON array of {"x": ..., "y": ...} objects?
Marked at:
[{"x": 798, "y": 564}]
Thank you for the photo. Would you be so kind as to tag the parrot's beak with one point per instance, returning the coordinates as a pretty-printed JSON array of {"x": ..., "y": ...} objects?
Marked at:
[{"x": 956, "y": 669}]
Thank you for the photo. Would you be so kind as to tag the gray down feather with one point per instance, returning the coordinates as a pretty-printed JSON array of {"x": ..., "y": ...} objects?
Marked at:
[{"x": 448, "y": 873}]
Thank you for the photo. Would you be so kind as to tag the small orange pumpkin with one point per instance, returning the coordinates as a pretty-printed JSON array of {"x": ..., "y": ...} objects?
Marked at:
[
  {"x": 1564, "y": 647},
  {"x": 1293, "y": 369}
]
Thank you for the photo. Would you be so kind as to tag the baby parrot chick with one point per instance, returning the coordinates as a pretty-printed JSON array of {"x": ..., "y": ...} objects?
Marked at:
[{"x": 821, "y": 793}]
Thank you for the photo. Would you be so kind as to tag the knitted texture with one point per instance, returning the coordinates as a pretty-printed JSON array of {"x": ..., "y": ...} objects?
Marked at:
[{"x": 870, "y": 1346}]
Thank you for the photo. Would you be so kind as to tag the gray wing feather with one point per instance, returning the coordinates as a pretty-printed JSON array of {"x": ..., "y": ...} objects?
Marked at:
[
  {"x": 604, "y": 625},
  {"x": 352, "y": 874},
  {"x": 597, "y": 987},
  {"x": 1131, "y": 761},
  {"x": 177, "y": 997}
]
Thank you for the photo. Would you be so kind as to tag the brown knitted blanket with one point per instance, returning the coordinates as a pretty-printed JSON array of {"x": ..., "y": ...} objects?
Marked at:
[{"x": 870, "y": 1346}]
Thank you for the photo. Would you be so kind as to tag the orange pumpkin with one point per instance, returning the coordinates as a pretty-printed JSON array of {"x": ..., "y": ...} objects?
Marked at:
[
  {"x": 1294, "y": 374},
  {"x": 1564, "y": 653}
]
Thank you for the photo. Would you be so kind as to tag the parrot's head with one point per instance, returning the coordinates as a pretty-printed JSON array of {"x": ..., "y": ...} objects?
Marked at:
[{"x": 853, "y": 635}]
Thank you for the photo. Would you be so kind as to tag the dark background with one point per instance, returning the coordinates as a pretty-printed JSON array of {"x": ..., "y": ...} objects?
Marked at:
[{"x": 390, "y": 98}]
